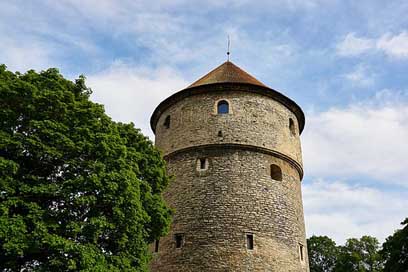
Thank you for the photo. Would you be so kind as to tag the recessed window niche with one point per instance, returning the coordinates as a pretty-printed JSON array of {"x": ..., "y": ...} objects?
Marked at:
[
  {"x": 179, "y": 239},
  {"x": 166, "y": 123},
  {"x": 292, "y": 127},
  {"x": 276, "y": 172},
  {"x": 301, "y": 252},
  {"x": 250, "y": 241},
  {"x": 202, "y": 164},
  {"x": 223, "y": 107}
]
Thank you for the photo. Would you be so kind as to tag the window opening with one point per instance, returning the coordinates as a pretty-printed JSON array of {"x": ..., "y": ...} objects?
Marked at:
[
  {"x": 156, "y": 246},
  {"x": 301, "y": 252},
  {"x": 223, "y": 107},
  {"x": 167, "y": 122},
  {"x": 292, "y": 127},
  {"x": 250, "y": 241},
  {"x": 179, "y": 240},
  {"x": 276, "y": 172},
  {"x": 202, "y": 164}
]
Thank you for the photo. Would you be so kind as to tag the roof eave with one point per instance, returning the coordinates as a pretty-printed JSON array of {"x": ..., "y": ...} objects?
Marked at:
[{"x": 259, "y": 89}]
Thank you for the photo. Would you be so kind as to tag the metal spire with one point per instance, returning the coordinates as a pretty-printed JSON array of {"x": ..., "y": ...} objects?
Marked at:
[{"x": 228, "y": 51}]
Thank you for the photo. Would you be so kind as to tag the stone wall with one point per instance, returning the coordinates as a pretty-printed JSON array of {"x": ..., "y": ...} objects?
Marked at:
[
  {"x": 217, "y": 207},
  {"x": 254, "y": 120}
]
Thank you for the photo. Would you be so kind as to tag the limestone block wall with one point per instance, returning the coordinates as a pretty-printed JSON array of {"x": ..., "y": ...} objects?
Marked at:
[
  {"x": 217, "y": 207},
  {"x": 235, "y": 195},
  {"x": 254, "y": 119}
]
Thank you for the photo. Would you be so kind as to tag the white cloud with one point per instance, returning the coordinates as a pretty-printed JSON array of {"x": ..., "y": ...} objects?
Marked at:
[
  {"x": 392, "y": 45},
  {"x": 173, "y": 32},
  {"x": 30, "y": 40},
  {"x": 130, "y": 94},
  {"x": 360, "y": 77},
  {"x": 365, "y": 139},
  {"x": 20, "y": 56},
  {"x": 342, "y": 211},
  {"x": 114, "y": 8},
  {"x": 352, "y": 45}
]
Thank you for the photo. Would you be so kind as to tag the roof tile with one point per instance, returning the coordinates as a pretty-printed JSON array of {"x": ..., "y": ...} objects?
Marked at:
[{"x": 227, "y": 73}]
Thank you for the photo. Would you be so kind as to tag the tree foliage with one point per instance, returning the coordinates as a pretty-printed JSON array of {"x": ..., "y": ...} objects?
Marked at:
[
  {"x": 359, "y": 255},
  {"x": 78, "y": 192},
  {"x": 322, "y": 253},
  {"x": 395, "y": 250}
]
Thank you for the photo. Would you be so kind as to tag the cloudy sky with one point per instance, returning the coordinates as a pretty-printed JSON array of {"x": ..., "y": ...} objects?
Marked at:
[{"x": 344, "y": 62}]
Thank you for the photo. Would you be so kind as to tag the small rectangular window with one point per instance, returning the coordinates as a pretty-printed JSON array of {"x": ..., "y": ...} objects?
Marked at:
[
  {"x": 179, "y": 240},
  {"x": 276, "y": 172},
  {"x": 156, "y": 246},
  {"x": 301, "y": 252},
  {"x": 250, "y": 241},
  {"x": 202, "y": 164},
  {"x": 167, "y": 122}
]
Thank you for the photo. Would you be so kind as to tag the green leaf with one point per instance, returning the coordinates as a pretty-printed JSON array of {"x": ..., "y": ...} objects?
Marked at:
[{"x": 78, "y": 192}]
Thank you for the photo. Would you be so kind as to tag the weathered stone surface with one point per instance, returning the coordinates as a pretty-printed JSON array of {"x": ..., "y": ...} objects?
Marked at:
[
  {"x": 235, "y": 195},
  {"x": 215, "y": 212},
  {"x": 254, "y": 120}
]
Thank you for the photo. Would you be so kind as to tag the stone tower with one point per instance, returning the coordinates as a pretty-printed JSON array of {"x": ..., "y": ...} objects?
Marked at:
[{"x": 233, "y": 147}]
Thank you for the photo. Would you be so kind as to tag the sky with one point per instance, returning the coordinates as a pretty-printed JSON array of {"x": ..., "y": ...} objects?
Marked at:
[{"x": 344, "y": 62}]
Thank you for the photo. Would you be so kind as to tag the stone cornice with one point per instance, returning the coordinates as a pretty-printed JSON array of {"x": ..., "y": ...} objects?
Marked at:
[{"x": 226, "y": 146}]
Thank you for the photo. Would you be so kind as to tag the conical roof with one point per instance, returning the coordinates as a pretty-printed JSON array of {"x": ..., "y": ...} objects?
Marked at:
[{"x": 227, "y": 73}]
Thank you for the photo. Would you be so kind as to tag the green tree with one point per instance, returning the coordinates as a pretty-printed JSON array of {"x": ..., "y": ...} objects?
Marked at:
[
  {"x": 78, "y": 192},
  {"x": 359, "y": 255},
  {"x": 322, "y": 253},
  {"x": 395, "y": 250}
]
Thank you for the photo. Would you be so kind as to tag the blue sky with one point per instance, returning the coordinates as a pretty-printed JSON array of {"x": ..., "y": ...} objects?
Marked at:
[{"x": 344, "y": 62}]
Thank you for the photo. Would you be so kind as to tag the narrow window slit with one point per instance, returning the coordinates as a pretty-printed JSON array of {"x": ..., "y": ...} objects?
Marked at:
[
  {"x": 250, "y": 241},
  {"x": 202, "y": 164},
  {"x": 179, "y": 240},
  {"x": 292, "y": 127},
  {"x": 301, "y": 252},
  {"x": 167, "y": 122},
  {"x": 156, "y": 246}
]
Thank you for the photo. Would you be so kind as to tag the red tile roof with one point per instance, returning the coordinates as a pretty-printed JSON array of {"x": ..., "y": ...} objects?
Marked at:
[{"x": 227, "y": 73}]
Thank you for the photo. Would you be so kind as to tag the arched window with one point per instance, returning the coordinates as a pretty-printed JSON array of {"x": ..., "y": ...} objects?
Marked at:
[
  {"x": 276, "y": 172},
  {"x": 292, "y": 127},
  {"x": 167, "y": 122},
  {"x": 222, "y": 107}
]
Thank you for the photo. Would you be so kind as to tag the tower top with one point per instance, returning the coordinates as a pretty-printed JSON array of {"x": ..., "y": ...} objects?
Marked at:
[
  {"x": 227, "y": 72},
  {"x": 222, "y": 78}
]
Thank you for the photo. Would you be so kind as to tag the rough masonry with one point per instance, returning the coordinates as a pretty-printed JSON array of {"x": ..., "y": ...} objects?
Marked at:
[{"x": 237, "y": 177}]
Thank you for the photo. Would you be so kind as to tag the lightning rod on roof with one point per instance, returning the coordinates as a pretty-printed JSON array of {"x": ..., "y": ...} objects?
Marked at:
[{"x": 228, "y": 51}]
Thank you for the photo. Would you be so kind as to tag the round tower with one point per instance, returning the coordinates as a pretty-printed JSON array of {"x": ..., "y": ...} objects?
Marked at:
[{"x": 233, "y": 147}]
